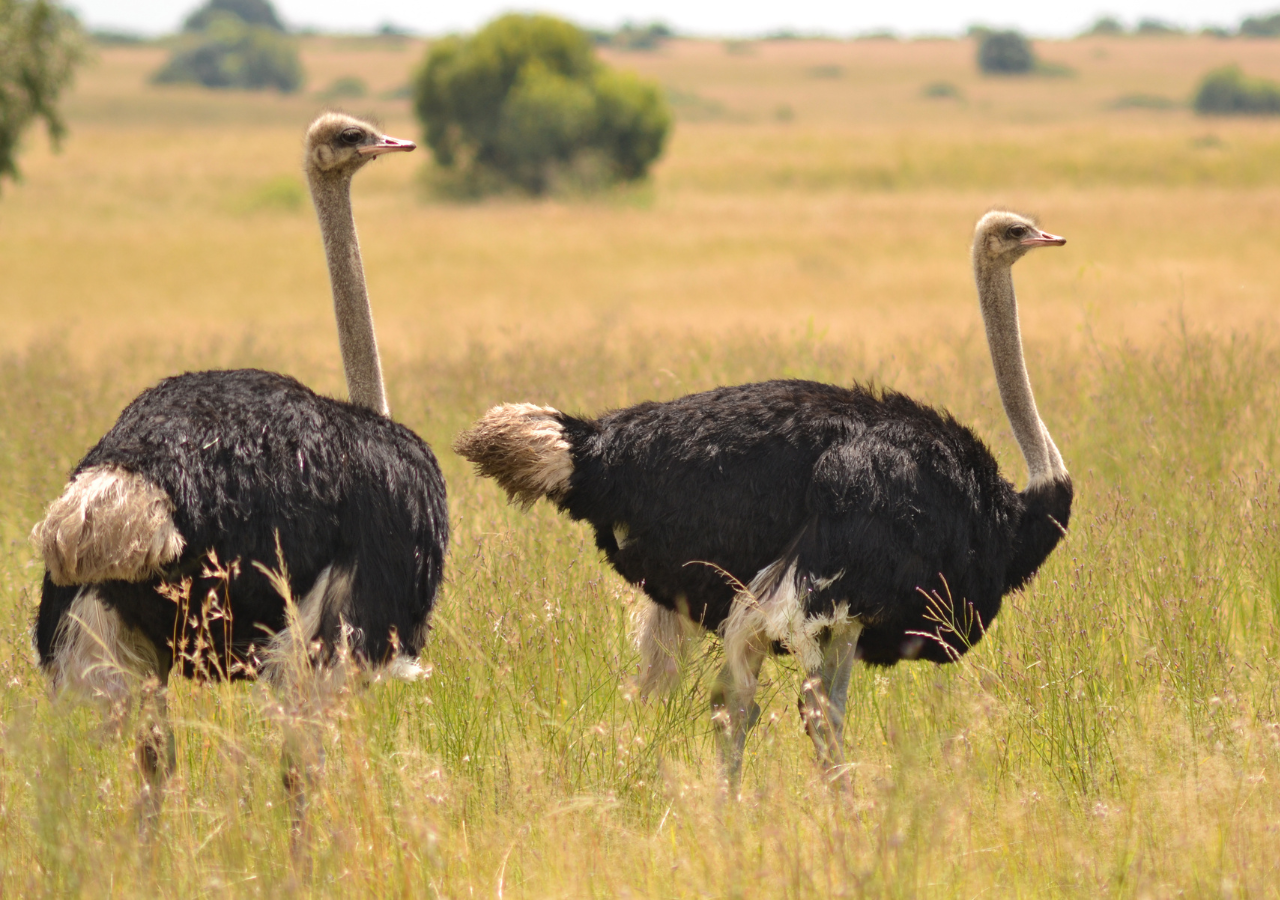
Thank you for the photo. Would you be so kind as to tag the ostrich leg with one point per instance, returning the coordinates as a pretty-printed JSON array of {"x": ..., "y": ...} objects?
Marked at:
[
  {"x": 825, "y": 693},
  {"x": 301, "y": 768},
  {"x": 735, "y": 711},
  {"x": 157, "y": 757}
]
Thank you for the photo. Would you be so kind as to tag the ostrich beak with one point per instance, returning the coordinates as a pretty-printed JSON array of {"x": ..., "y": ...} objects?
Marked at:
[
  {"x": 1044, "y": 239},
  {"x": 386, "y": 144}
]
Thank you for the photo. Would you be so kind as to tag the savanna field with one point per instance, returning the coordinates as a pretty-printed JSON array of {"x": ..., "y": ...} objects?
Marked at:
[{"x": 1117, "y": 733}]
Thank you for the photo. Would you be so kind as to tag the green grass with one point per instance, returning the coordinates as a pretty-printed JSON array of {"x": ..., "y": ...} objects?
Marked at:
[{"x": 1116, "y": 733}]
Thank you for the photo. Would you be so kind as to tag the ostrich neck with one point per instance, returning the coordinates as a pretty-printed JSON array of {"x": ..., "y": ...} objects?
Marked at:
[
  {"x": 332, "y": 197},
  {"x": 1004, "y": 337}
]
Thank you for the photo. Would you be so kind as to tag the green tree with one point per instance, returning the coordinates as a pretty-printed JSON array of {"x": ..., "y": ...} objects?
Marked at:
[
  {"x": 1104, "y": 26},
  {"x": 1156, "y": 28},
  {"x": 524, "y": 100},
  {"x": 1261, "y": 26},
  {"x": 40, "y": 45},
  {"x": 230, "y": 53},
  {"x": 1005, "y": 53},
  {"x": 251, "y": 12}
]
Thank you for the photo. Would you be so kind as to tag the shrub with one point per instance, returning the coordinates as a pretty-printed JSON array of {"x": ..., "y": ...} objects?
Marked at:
[
  {"x": 251, "y": 12},
  {"x": 641, "y": 37},
  {"x": 1005, "y": 53},
  {"x": 940, "y": 90},
  {"x": 232, "y": 54},
  {"x": 1156, "y": 28},
  {"x": 112, "y": 38},
  {"x": 1104, "y": 26},
  {"x": 1143, "y": 101},
  {"x": 825, "y": 71},
  {"x": 345, "y": 87},
  {"x": 40, "y": 46},
  {"x": 524, "y": 101},
  {"x": 1227, "y": 91}
]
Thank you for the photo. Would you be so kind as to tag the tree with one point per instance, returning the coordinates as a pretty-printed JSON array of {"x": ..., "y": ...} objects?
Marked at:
[
  {"x": 40, "y": 46},
  {"x": 251, "y": 12},
  {"x": 230, "y": 53},
  {"x": 524, "y": 101},
  {"x": 1104, "y": 26},
  {"x": 641, "y": 37},
  {"x": 1005, "y": 53},
  {"x": 1156, "y": 28},
  {"x": 1261, "y": 26}
]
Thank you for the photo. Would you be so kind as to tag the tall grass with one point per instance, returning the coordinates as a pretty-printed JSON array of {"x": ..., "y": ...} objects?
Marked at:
[{"x": 1116, "y": 733}]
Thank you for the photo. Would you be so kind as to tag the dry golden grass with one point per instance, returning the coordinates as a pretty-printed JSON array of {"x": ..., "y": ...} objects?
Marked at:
[
  {"x": 176, "y": 213},
  {"x": 1116, "y": 735}
]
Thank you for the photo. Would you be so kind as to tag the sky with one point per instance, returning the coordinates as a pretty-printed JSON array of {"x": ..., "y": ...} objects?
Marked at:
[{"x": 721, "y": 18}]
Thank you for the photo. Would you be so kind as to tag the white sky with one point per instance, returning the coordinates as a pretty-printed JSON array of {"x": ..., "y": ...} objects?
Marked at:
[{"x": 1046, "y": 18}]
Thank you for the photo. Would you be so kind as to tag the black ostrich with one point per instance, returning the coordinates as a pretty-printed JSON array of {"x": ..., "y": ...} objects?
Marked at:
[
  {"x": 791, "y": 516},
  {"x": 208, "y": 469}
]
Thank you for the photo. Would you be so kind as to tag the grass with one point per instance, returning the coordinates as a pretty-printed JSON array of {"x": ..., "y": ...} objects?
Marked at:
[
  {"x": 1116, "y": 734},
  {"x": 1113, "y": 734}
]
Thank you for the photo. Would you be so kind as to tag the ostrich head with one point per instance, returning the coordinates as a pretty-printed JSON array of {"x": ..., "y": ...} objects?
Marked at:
[
  {"x": 341, "y": 144},
  {"x": 1003, "y": 238}
]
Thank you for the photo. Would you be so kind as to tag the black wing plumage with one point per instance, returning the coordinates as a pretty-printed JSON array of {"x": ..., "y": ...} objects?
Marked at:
[
  {"x": 249, "y": 457},
  {"x": 883, "y": 503}
]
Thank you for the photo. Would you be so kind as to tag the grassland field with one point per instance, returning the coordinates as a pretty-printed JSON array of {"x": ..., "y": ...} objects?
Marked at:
[{"x": 1116, "y": 734}]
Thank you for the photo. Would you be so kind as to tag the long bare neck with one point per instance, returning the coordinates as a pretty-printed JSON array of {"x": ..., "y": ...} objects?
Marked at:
[
  {"x": 332, "y": 197},
  {"x": 1004, "y": 337}
]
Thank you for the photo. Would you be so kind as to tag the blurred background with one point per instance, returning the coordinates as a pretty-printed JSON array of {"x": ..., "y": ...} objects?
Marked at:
[{"x": 753, "y": 173}]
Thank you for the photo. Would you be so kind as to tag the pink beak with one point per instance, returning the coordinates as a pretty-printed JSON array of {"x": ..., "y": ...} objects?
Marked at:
[
  {"x": 1044, "y": 239},
  {"x": 386, "y": 144}
]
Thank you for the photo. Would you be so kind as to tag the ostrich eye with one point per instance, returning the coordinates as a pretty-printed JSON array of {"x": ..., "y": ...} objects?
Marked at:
[
  {"x": 1018, "y": 231},
  {"x": 352, "y": 136}
]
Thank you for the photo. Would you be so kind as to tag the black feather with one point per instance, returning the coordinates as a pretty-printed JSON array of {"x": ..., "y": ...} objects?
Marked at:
[
  {"x": 247, "y": 456},
  {"x": 896, "y": 508}
]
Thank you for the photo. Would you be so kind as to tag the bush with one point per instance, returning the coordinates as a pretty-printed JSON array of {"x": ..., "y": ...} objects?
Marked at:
[
  {"x": 111, "y": 38},
  {"x": 524, "y": 101},
  {"x": 251, "y": 12},
  {"x": 1227, "y": 91},
  {"x": 40, "y": 45},
  {"x": 1104, "y": 26},
  {"x": 1156, "y": 28},
  {"x": 345, "y": 87},
  {"x": 1005, "y": 53},
  {"x": 232, "y": 54},
  {"x": 1143, "y": 101},
  {"x": 642, "y": 37},
  {"x": 940, "y": 90}
]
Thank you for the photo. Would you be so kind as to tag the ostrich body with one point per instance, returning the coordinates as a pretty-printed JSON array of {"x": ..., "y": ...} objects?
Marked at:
[
  {"x": 831, "y": 523},
  {"x": 209, "y": 469}
]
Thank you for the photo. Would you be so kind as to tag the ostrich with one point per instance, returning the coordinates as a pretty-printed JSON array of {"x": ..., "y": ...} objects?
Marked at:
[
  {"x": 826, "y": 522},
  {"x": 242, "y": 486}
]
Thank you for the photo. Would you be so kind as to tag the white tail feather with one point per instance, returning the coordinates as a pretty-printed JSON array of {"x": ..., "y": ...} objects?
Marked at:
[
  {"x": 108, "y": 524},
  {"x": 524, "y": 448}
]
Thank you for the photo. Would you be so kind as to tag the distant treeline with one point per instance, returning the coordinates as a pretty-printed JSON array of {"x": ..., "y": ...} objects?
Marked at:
[
  {"x": 1263, "y": 26},
  {"x": 651, "y": 36}
]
